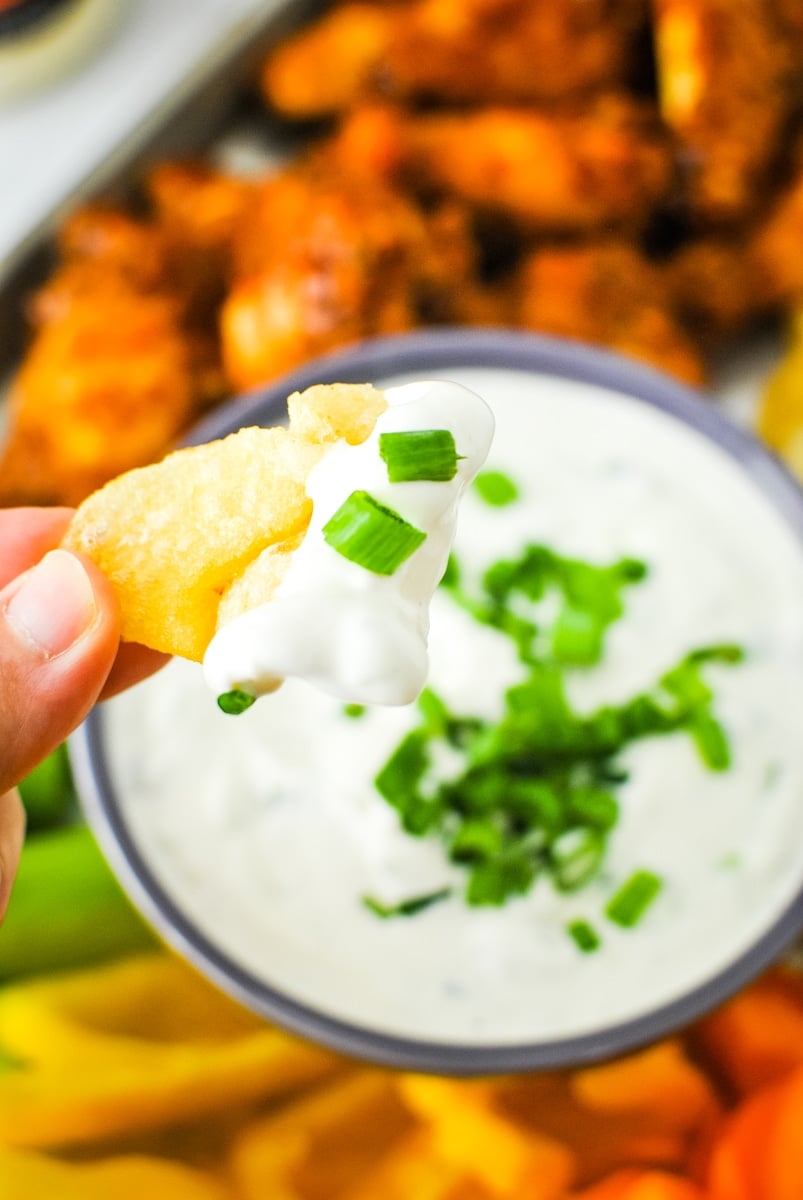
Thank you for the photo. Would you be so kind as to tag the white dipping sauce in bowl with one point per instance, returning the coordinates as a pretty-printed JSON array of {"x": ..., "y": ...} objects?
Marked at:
[{"x": 252, "y": 840}]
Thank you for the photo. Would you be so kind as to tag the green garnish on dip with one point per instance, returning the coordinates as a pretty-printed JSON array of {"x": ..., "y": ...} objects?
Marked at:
[
  {"x": 496, "y": 488},
  {"x": 590, "y": 600},
  {"x": 634, "y": 897},
  {"x": 235, "y": 702},
  {"x": 532, "y": 794},
  {"x": 584, "y": 936},
  {"x": 419, "y": 454},
  {"x": 406, "y": 908},
  {"x": 371, "y": 535}
]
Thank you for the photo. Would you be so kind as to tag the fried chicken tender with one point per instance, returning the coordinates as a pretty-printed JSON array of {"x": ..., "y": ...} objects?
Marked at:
[
  {"x": 190, "y": 542},
  {"x": 101, "y": 240},
  {"x": 609, "y": 294},
  {"x": 198, "y": 211},
  {"x": 329, "y": 65},
  {"x": 602, "y": 165},
  {"x": 712, "y": 283},
  {"x": 114, "y": 371},
  {"x": 773, "y": 244},
  {"x": 453, "y": 50},
  {"x": 724, "y": 281},
  {"x": 513, "y": 50},
  {"x": 725, "y": 77},
  {"x": 317, "y": 266},
  {"x": 108, "y": 386},
  {"x": 326, "y": 259}
]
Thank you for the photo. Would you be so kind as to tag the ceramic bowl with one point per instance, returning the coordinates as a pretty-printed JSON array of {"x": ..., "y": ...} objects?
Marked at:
[{"x": 295, "y": 983}]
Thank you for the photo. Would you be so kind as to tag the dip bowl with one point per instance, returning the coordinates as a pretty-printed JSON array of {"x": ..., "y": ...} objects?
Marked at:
[{"x": 251, "y": 843}]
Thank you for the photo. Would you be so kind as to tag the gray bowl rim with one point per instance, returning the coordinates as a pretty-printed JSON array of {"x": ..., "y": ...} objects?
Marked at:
[{"x": 376, "y": 360}]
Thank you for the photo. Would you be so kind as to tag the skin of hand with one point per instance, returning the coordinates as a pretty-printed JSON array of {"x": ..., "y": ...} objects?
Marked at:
[{"x": 60, "y": 652}]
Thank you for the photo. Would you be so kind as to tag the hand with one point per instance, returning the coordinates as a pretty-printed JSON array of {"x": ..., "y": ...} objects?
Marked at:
[{"x": 60, "y": 651}]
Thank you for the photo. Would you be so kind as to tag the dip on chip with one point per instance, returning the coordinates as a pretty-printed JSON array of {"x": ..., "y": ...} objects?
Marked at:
[{"x": 310, "y": 550}]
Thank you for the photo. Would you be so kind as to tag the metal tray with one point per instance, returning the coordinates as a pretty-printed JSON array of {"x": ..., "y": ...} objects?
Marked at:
[{"x": 185, "y": 108}]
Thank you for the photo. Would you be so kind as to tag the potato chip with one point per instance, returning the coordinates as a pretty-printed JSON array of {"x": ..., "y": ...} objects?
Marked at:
[
  {"x": 214, "y": 521},
  {"x": 329, "y": 411}
]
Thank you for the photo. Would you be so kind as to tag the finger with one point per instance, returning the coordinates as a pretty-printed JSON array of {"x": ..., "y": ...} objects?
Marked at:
[
  {"x": 59, "y": 633},
  {"x": 133, "y": 663},
  {"x": 26, "y": 534},
  {"x": 12, "y": 831}
]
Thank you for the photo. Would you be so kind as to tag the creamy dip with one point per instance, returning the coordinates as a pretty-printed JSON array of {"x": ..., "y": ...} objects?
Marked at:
[
  {"x": 266, "y": 830},
  {"x": 356, "y": 634}
]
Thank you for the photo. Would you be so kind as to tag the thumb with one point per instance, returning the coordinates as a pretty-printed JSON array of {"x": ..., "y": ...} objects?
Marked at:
[{"x": 58, "y": 638}]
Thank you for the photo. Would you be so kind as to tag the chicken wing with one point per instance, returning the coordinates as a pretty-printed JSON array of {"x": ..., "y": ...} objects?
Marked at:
[
  {"x": 712, "y": 283},
  {"x": 727, "y": 76},
  {"x": 112, "y": 374},
  {"x": 326, "y": 259},
  {"x": 455, "y": 51},
  {"x": 773, "y": 244},
  {"x": 599, "y": 166},
  {"x": 610, "y": 294}
]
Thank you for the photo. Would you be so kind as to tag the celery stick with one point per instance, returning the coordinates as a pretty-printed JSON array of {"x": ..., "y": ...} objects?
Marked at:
[
  {"x": 48, "y": 793},
  {"x": 67, "y": 909}
]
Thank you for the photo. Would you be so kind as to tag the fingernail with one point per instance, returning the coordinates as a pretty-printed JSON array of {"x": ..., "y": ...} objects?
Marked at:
[{"x": 54, "y": 605}]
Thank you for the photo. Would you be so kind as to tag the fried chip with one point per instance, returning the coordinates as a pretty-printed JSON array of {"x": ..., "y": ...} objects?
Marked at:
[
  {"x": 329, "y": 411},
  {"x": 193, "y": 541}
]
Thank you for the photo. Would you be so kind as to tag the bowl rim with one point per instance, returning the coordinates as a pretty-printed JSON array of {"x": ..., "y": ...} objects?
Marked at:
[{"x": 378, "y": 359}]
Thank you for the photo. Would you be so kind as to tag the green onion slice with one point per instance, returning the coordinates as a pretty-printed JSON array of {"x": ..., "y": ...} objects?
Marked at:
[
  {"x": 496, "y": 488},
  {"x": 406, "y": 908},
  {"x": 711, "y": 741},
  {"x": 235, "y": 702},
  {"x": 371, "y": 535},
  {"x": 496, "y": 881},
  {"x": 629, "y": 904},
  {"x": 419, "y": 454},
  {"x": 575, "y": 858},
  {"x": 585, "y": 937}
]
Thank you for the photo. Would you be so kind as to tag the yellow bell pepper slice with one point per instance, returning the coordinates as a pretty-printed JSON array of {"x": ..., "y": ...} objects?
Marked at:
[
  {"x": 322, "y": 1143},
  {"x": 484, "y": 1144},
  {"x": 414, "y": 1168},
  {"x": 25, "y": 1175},
  {"x": 136, "y": 1045}
]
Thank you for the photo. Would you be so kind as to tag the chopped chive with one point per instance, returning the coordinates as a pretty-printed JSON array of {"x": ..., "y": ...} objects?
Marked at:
[
  {"x": 353, "y": 710},
  {"x": 574, "y": 858},
  {"x": 584, "y": 936},
  {"x": 434, "y": 712},
  {"x": 406, "y": 908},
  {"x": 711, "y": 742},
  {"x": 577, "y": 636},
  {"x": 405, "y": 767},
  {"x": 494, "y": 882},
  {"x": 235, "y": 701},
  {"x": 477, "y": 840},
  {"x": 496, "y": 488},
  {"x": 724, "y": 652},
  {"x": 593, "y": 807},
  {"x": 533, "y": 790},
  {"x": 419, "y": 454},
  {"x": 634, "y": 897},
  {"x": 371, "y": 535}
]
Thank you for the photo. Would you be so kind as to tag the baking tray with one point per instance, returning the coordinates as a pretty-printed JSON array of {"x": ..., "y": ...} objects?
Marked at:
[
  {"x": 215, "y": 108},
  {"x": 215, "y": 99}
]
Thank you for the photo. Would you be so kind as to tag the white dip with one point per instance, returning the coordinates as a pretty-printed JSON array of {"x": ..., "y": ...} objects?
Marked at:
[
  {"x": 265, "y": 828},
  {"x": 355, "y": 634}
]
